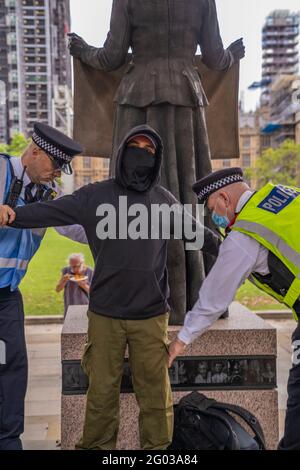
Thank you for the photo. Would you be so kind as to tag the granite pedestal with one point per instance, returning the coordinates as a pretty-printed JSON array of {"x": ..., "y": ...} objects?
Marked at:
[{"x": 234, "y": 362}]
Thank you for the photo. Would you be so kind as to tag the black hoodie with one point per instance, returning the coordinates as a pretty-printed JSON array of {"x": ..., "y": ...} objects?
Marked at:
[{"x": 130, "y": 278}]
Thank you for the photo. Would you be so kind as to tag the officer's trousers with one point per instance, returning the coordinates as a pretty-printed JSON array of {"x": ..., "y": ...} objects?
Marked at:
[
  {"x": 291, "y": 438},
  {"x": 103, "y": 361},
  {"x": 13, "y": 369}
]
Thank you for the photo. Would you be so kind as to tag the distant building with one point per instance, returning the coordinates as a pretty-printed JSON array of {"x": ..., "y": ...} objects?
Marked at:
[
  {"x": 284, "y": 110},
  {"x": 297, "y": 128},
  {"x": 3, "y": 113},
  {"x": 278, "y": 111},
  {"x": 89, "y": 170},
  {"x": 35, "y": 65},
  {"x": 249, "y": 143},
  {"x": 280, "y": 36}
]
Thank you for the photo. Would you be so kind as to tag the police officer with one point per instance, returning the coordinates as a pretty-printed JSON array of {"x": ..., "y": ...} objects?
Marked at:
[
  {"x": 262, "y": 243},
  {"x": 23, "y": 181}
]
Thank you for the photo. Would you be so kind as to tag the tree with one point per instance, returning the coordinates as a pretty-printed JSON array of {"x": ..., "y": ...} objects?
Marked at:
[
  {"x": 279, "y": 165},
  {"x": 17, "y": 145}
]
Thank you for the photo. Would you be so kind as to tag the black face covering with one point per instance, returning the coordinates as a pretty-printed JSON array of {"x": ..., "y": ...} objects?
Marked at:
[{"x": 138, "y": 168}]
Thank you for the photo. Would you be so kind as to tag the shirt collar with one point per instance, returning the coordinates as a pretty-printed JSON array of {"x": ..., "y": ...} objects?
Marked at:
[
  {"x": 19, "y": 168},
  {"x": 243, "y": 200}
]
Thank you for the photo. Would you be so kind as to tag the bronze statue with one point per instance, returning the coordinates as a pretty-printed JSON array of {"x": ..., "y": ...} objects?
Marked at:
[{"x": 162, "y": 88}]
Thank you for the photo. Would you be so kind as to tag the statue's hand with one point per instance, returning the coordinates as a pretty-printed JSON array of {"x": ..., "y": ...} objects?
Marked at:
[
  {"x": 76, "y": 45},
  {"x": 237, "y": 48}
]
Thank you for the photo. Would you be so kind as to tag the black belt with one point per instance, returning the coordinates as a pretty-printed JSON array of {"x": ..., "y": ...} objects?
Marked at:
[
  {"x": 5, "y": 289},
  {"x": 7, "y": 293}
]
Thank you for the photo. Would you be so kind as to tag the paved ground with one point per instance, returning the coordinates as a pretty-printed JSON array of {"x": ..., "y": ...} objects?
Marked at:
[
  {"x": 42, "y": 426},
  {"x": 284, "y": 354}
]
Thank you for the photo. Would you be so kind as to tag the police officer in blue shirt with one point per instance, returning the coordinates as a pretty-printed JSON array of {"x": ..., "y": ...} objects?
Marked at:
[{"x": 24, "y": 180}]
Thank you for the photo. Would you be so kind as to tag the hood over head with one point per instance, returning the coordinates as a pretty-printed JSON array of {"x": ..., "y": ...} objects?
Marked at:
[{"x": 145, "y": 130}]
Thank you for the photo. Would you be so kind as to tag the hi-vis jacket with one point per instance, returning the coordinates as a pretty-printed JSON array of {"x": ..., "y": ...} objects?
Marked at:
[
  {"x": 272, "y": 217},
  {"x": 17, "y": 247}
]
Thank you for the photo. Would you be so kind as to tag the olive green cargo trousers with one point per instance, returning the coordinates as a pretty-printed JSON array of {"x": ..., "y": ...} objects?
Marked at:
[{"x": 103, "y": 360}]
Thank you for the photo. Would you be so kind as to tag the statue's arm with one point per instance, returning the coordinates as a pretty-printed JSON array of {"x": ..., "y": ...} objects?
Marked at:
[
  {"x": 114, "y": 52},
  {"x": 213, "y": 53}
]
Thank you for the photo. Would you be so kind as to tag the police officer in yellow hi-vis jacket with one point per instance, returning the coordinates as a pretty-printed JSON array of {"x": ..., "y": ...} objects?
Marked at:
[{"x": 262, "y": 244}]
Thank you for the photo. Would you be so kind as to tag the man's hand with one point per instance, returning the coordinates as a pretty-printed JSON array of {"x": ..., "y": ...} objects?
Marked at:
[
  {"x": 76, "y": 45},
  {"x": 84, "y": 285},
  {"x": 63, "y": 282},
  {"x": 175, "y": 349},
  {"x": 237, "y": 49},
  {"x": 7, "y": 215},
  {"x": 66, "y": 278}
]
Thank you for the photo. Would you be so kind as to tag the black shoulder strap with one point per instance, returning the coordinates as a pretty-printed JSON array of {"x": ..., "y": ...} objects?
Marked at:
[{"x": 248, "y": 417}]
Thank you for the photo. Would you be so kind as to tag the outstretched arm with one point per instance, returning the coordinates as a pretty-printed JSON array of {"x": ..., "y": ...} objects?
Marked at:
[
  {"x": 113, "y": 54},
  {"x": 68, "y": 210},
  {"x": 73, "y": 232},
  {"x": 238, "y": 257},
  {"x": 192, "y": 231},
  {"x": 209, "y": 240}
]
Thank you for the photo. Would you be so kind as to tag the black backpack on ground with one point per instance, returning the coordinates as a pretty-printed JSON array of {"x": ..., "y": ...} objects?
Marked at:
[{"x": 201, "y": 423}]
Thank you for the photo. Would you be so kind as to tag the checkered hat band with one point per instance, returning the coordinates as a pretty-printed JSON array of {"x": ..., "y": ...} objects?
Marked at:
[
  {"x": 49, "y": 148},
  {"x": 213, "y": 187}
]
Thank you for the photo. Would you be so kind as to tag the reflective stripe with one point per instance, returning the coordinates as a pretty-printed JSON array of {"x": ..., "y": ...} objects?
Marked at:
[
  {"x": 293, "y": 293},
  {"x": 13, "y": 263},
  {"x": 3, "y": 174},
  {"x": 288, "y": 252}
]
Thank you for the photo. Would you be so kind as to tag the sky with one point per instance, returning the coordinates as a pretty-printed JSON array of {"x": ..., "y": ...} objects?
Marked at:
[{"x": 237, "y": 18}]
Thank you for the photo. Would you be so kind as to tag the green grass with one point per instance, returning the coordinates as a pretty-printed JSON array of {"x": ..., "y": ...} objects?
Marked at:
[
  {"x": 38, "y": 287},
  {"x": 255, "y": 299}
]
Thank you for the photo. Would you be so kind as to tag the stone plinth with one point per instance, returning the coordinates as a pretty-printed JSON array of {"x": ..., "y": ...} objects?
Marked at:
[{"x": 244, "y": 344}]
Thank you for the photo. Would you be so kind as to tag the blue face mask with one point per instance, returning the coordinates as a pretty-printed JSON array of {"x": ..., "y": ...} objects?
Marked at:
[{"x": 221, "y": 221}]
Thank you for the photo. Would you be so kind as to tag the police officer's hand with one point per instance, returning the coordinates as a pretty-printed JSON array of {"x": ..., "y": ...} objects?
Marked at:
[
  {"x": 76, "y": 45},
  {"x": 237, "y": 48},
  {"x": 176, "y": 348},
  {"x": 7, "y": 215}
]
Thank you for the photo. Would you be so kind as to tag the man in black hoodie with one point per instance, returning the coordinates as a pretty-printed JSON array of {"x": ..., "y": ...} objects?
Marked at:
[{"x": 128, "y": 296}]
